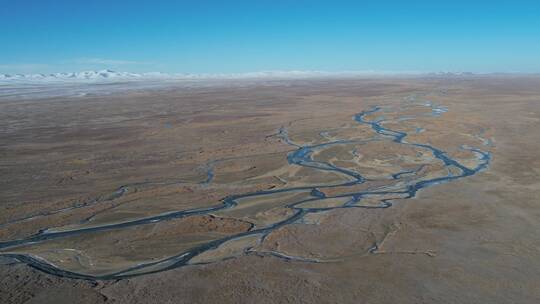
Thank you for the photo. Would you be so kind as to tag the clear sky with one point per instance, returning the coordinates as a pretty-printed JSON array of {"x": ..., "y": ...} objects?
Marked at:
[{"x": 240, "y": 36}]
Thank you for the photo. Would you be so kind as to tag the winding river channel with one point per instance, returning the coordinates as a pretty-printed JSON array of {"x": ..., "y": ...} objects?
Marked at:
[{"x": 303, "y": 156}]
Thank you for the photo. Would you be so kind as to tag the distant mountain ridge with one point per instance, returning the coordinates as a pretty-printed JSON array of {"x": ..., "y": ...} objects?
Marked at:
[
  {"x": 85, "y": 75},
  {"x": 110, "y": 75}
]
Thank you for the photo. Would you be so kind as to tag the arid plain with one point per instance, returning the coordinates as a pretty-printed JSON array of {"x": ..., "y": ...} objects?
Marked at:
[{"x": 382, "y": 190}]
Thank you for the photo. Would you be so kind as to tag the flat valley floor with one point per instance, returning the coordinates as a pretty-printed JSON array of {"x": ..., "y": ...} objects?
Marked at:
[{"x": 384, "y": 190}]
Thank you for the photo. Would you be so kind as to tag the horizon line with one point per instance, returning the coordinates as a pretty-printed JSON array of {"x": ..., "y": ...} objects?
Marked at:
[{"x": 261, "y": 73}]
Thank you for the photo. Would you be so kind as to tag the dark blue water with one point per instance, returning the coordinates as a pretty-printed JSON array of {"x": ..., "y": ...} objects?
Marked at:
[{"x": 302, "y": 156}]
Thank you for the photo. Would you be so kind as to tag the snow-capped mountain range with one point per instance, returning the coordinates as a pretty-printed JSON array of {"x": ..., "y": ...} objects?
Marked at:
[
  {"x": 112, "y": 76},
  {"x": 79, "y": 76}
]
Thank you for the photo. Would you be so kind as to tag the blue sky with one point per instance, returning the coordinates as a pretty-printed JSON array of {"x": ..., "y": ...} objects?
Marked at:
[{"x": 241, "y": 36}]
